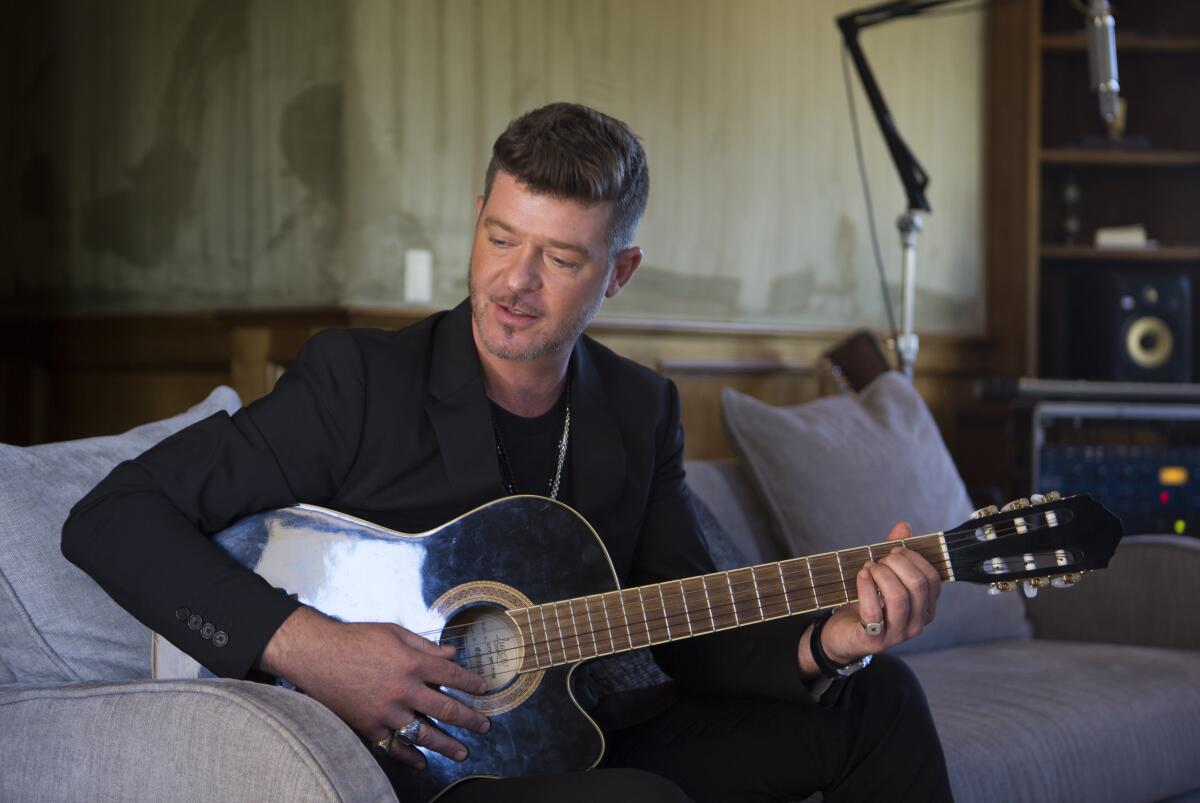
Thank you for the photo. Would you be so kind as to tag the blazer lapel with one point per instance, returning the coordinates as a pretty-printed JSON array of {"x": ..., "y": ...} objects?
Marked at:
[
  {"x": 458, "y": 409},
  {"x": 597, "y": 450}
]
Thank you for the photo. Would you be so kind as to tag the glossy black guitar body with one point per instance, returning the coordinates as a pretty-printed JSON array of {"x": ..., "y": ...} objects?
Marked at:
[{"x": 511, "y": 553}]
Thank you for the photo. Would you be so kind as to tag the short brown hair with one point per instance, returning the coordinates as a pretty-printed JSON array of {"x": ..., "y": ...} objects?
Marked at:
[{"x": 572, "y": 151}]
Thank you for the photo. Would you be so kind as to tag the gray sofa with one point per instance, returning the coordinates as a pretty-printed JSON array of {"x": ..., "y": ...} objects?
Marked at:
[{"x": 1101, "y": 703}]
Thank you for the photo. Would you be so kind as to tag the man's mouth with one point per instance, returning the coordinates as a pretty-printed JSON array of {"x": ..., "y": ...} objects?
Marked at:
[{"x": 517, "y": 311}]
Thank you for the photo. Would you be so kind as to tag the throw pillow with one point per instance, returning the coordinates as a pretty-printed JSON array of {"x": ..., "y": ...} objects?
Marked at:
[
  {"x": 56, "y": 624},
  {"x": 838, "y": 472}
]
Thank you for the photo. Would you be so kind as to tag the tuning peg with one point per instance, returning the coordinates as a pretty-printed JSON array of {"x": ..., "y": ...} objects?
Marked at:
[
  {"x": 990, "y": 510},
  {"x": 1053, "y": 496},
  {"x": 1001, "y": 587},
  {"x": 1015, "y": 504},
  {"x": 1066, "y": 580}
]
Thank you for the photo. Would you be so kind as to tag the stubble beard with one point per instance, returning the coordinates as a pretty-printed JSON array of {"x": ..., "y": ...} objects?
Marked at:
[{"x": 567, "y": 333}]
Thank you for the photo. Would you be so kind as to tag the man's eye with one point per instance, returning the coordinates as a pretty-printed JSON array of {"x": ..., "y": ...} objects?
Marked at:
[
  {"x": 496, "y": 241},
  {"x": 562, "y": 263}
]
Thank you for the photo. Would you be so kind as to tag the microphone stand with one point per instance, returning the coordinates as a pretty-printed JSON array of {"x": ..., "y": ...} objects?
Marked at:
[{"x": 912, "y": 175}]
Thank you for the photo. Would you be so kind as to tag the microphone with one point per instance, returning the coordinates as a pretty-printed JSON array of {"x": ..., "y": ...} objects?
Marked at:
[{"x": 1102, "y": 57}]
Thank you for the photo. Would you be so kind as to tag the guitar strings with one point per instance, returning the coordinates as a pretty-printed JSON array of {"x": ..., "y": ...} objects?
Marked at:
[
  {"x": 952, "y": 541},
  {"x": 722, "y": 608},
  {"x": 669, "y": 599}
]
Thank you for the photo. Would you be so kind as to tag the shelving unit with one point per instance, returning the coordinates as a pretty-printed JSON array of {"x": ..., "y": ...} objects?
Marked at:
[{"x": 1045, "y": 133}]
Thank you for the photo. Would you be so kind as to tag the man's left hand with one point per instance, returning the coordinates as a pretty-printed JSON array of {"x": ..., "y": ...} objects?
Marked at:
[{"x": 899, "y": 590}]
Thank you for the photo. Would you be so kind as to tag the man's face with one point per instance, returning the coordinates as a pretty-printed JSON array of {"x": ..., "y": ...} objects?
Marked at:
[{"x": 539, "y": 270}]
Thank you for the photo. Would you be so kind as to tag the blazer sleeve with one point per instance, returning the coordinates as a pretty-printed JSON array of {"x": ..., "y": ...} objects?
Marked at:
[
  {"x": 756, "y": 660},
  {"x": 144, "y": 533}
]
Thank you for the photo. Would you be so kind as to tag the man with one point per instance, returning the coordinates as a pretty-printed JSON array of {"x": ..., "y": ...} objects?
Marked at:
[{"x": 410, "y": 429}]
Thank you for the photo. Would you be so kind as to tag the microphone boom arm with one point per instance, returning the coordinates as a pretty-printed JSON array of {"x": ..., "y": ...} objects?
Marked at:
[{"x": 912, "y": 175}]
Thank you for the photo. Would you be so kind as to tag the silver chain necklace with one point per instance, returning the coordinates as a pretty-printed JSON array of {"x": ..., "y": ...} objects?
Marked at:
[{"x": 509, "y": 486}]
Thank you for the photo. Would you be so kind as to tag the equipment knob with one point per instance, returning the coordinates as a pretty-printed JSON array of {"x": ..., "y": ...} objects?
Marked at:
[
  {"x": 990, "y": 510},
  {"x": 1015, "y": 504}
]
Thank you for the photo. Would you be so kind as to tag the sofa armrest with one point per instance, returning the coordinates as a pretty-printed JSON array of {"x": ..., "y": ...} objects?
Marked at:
[
  {"x": 197, "y": 740},
  {"x": 1145, "y": 596}
]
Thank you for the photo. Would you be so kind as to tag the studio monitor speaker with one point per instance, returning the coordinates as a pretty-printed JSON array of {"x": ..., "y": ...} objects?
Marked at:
[{"x": 1146, "y": 327}]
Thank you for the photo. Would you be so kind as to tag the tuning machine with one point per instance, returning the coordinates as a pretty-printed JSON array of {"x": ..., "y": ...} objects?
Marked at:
[
  {"x": 1001, "y": 587},
  {"x": 983, "y": 512},
  {"x": 1033, "y": 584},
  {"x": 1041, "y": 499},
  {"x": 1016, "y": 504},
  {"x": 1066, "y": 580}
]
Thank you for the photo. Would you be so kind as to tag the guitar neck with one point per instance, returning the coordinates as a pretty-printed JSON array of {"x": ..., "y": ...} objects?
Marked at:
[{"x": 572, "y": 630}]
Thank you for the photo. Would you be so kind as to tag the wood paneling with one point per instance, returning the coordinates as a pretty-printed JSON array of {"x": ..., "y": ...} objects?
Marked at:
[{"x": 101, "y": 375}]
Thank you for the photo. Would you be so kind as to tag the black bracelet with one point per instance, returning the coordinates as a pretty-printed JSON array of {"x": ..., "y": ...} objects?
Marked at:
[{"x": 818, "y": 653}]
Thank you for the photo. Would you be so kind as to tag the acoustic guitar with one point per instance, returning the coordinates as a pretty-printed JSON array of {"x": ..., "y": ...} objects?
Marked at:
[{"x": 524, "y": 587}]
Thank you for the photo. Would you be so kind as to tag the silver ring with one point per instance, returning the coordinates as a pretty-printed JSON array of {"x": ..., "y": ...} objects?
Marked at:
[
  {"x": 411, "y": 733},
  {"x": 872, "y": 628}
]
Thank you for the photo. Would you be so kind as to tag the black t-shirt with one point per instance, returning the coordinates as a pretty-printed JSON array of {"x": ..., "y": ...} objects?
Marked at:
[{"x": 530, "y": 450}]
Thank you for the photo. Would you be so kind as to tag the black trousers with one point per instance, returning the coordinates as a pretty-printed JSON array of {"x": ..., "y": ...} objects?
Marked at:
[{"x": 874, "y": 740}]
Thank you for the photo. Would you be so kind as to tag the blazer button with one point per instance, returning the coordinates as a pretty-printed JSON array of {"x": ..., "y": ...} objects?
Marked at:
[
  {"x": 195, "y": 621},
  {"x": 208, "y": 630},
  {"x": 182, "y": 614},
  {"x": 220, "y": 638}
]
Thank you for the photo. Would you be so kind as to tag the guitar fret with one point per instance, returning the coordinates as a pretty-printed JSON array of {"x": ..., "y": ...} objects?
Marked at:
[
  {"x": 608, "y": 629},
  {"x": 812, "y": 581},
  {"x": 737, "y": 620},
  {"x": 645, "y": 616},
  {"x": 757, "y": 594},
  {"x": 632, "y": 628},
  {"x": 746, "y": 603},
  {"x": 829, "y": 586},
  {"x": 804, "y": 583},
  {"x": 686, "y": 612},
  {"x": 708, "y": 604},
  {"x": 574, "y": 630},
  {"x": 558, "y": 626},
  {"x": 546, "y": 640},
  {"x": 624, "y": 615},
  {"x": 575, "y": 624},
  {"x": 618, "y": 646},
  {"x": 784, "y": 588},
  {"x": 666, "y": 615},
  {"x": 772, "y": 593},
  {"x": 696, "y": 600},
  {"x": 842, "y": 575},
  {"x": 655, "y": 620}
]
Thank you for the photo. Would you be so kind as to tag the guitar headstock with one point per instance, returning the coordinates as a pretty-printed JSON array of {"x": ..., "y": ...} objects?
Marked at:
[{"x": 1042, "y": 540}]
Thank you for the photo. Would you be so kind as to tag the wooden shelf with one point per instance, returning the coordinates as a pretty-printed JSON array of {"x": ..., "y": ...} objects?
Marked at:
[
  {"x": 1132, "y": 42},
  {"x": 1116, "y": 157},
  {"x": 1088, "y": 253}
]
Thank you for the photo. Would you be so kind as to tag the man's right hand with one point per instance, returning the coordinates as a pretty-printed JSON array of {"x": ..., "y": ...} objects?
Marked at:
[{"x": 376, "y": 676}]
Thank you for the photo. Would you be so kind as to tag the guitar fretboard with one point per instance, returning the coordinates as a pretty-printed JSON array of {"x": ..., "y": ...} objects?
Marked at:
[{"x": 571, "y": 630}]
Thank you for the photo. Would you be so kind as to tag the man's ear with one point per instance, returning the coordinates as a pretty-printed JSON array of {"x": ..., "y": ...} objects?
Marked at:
[
  {"x": 478, "y": 205},
  {"x": 624, "y": 265}
]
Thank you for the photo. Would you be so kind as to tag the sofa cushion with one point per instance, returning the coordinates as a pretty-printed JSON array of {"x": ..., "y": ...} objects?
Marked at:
[
  {"x": 1065, "y": 721},
  {"x": 195, "y": 741},
  {"x": 838, "y": 472},
  {"x": 56, "y": 624}
]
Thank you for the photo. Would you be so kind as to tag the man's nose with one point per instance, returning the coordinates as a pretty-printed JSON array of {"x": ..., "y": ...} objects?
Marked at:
[{"x": 525, "y": 272}]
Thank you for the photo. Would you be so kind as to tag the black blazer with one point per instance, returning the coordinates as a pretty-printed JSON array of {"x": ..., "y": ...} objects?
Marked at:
[{"x": 394, "y": 427}]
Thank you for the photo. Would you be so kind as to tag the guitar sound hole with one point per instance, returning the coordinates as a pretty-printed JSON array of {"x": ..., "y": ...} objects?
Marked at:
[{"x": 488, "y": 643}]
